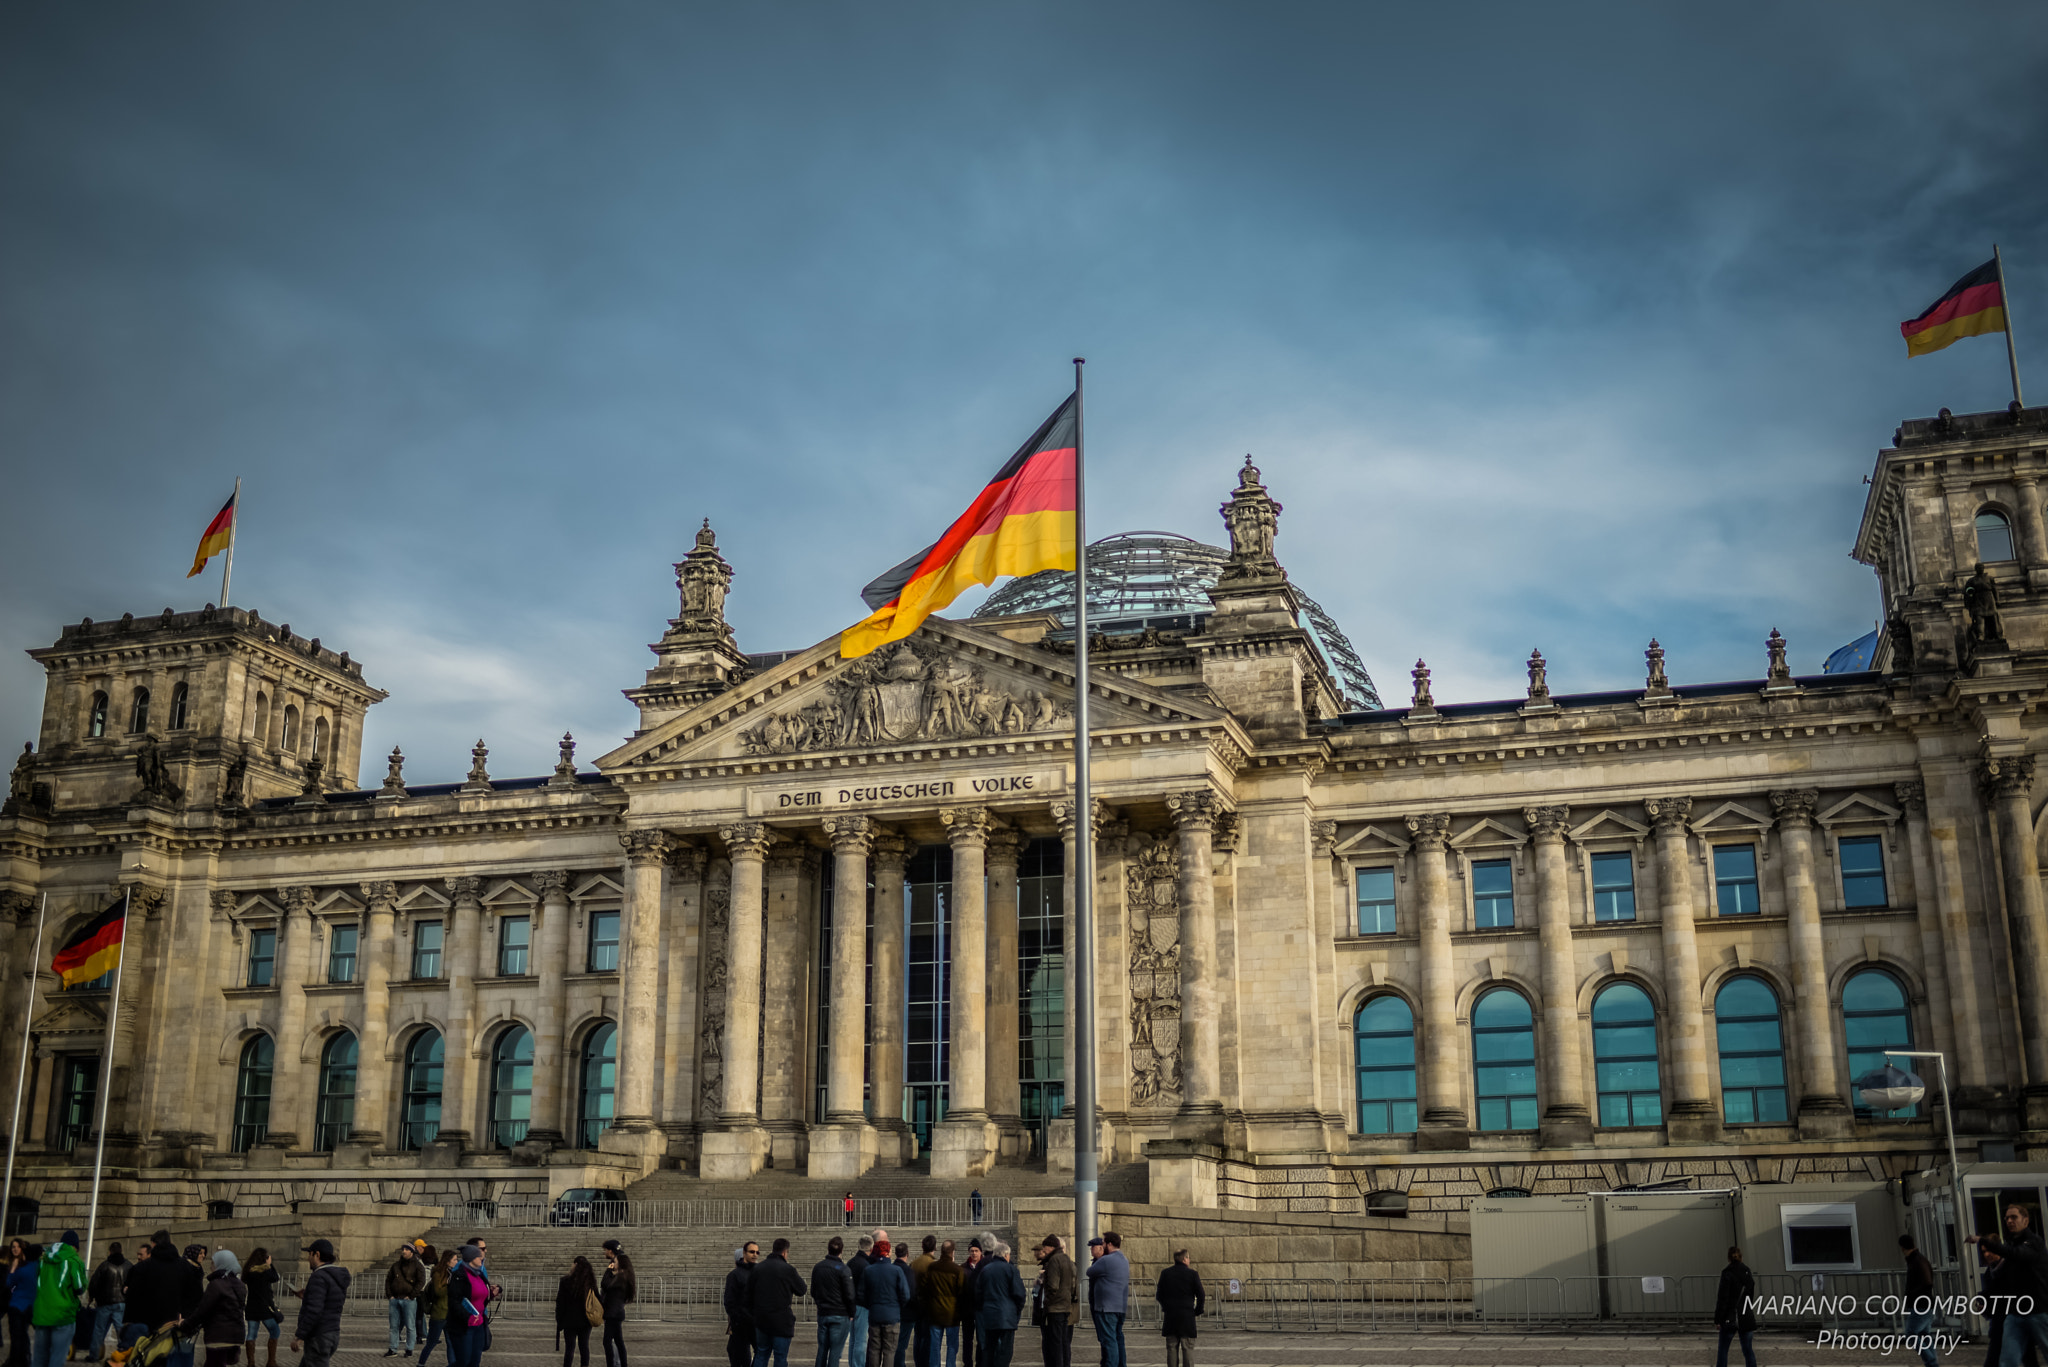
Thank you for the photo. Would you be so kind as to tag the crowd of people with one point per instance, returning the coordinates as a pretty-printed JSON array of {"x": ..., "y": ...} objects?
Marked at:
[{"x": 887, "y": 1307}]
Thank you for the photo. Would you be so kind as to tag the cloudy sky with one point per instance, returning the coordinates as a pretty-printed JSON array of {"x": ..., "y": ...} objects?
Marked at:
[{"x": 1551, "y": 326}]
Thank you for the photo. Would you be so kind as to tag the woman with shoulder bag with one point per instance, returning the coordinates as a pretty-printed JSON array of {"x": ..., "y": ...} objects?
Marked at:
[
  {"x": 469, "y": 1296},
  {"x": 617, "y": 1290},
  {"x": 577, "y": 1310}
]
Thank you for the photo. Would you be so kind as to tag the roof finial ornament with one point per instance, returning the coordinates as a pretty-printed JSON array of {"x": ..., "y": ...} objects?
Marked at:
[
  {"x": 394, "y": 776},
  {"x": 479, "y": 776},
  {"x": 1539, "y": 678},
  {"x": 1656, "y": 688},
  {"x": 1253, "y": 517},
  {"x": 565, "y": 767},
  {"x": 1780, "y": 672},
  {"x": 703, "y": 577}
]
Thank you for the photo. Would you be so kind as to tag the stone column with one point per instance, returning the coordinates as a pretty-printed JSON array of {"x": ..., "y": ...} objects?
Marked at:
[
  {"x": 735, "y": 1149},
  {"x": 1444, "y": 1123},
  {"x": 460, "y": 1071},
  {"x": 639, "y": 978},
  {"x": 785, "y": 1019},
  {"x": 1201, "y": 1106},
  {"x": 892, "y": 1001},
  {"x": 2008, "y": 781},
  {"x": 1005, "y": 1090},
  {"x": 964, "y": 1143},
  {"x": 684, "y": 925},
  {"x": 373, "y": 1067},
  {"x": 1951, "y": 988},
  {"x": 1823, "y": 1114},
  {"x": 288, "y": 1093},
  {"x": 1691, "y": 1118},
  {"x": 1566, "y": 1119},
  {"x": 842, "y": 1148},
  {"x": 553, "y": 1066},
  {"x": 2033, "y": 545}
]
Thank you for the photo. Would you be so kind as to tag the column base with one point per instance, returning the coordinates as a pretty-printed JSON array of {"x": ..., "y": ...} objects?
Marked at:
[
  {"x": 1565, "y": 1128},
  {"x": 1199, "y": 1122},
  {"x": 786, "y": 1146},
  {"x": 1059, "y": 1143},
  {"x": 1180, "y": 1173},
  {"x": 1433, "y": 1136},
  {"x": 842, "y": 1152},
  {"x": 270, "y": 1153},
  {"x": 1825, "y": 1117},
  {"x": 963, "y": 1145},
  {"x": 1692, "y": 1123},
  {"x": 732, "y": 1154},
  {"x": 1013, "y": 1141}
]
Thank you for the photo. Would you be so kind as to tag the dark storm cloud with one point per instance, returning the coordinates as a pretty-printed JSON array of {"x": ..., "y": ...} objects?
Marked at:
[{"x": 1551, "y": 326}]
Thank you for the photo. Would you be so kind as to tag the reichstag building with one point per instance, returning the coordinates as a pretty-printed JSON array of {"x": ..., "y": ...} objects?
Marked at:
[{"x": 1354, "y": 952}]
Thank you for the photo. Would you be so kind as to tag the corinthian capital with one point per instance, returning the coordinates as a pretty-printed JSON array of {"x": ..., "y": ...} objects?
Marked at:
[
  {"x": 381, "y": 894},
  {"x": 552, "y": 883},
  {"x": 1669, "y": 814},
  {"x": 890, "y": 850},
  {"x": 850, "y": 834},
  {"x": 1194, "y": 809},
  {"x": 2010, "y": 777},
  {"x": 967, "y": 825},
  {"x": 1547, "y": 823},
  {"x": 1324, "y": 834},
  {"x": 1794, "y": 807},
  {"x": 745, "y": 839},
  {"x": 1912, "y": 795},
  {"x": 465, "y": 889},
  {"x": 1430, "y": 830},
  {"x": 1005, "y": 843},
  {"x": 687, "y": 861},
  {"x": 645, "y": 847},
  {"x": 297, "y": 899}
]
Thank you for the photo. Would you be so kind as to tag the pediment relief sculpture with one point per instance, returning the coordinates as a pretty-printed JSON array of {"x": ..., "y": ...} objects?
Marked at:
[{"x": 915, "y": 691}]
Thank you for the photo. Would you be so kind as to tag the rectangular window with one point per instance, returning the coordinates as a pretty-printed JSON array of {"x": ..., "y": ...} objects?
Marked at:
[
  {"x": 513, "y": 939},
  {"x": 1735, "y": 880},
  {"x": 1375, "y": 901},
  {"x": 604, "y": 942},
  {"x": 1863, "y": 872},
  {"x": 426, "y": 949},
  {"x": 1614, "y": 886},
  {"x": 341, "y": 953},
  {"x": 1821, "y": 1238},
  {"x": 1493, "y": 894},
  {"x": 262, "y": 957}
]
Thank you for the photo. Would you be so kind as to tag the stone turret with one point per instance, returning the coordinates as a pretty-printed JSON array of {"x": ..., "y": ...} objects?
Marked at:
[{"x": 698, "y": 658}]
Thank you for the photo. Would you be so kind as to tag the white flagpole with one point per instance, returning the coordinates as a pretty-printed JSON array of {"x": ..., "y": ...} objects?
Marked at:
[
  {"x": 2012, "y": 356},
  {"x": 35, "y": 962},
  {"x": 227, "y": 570},
  {"x": 1082, "y": 945},
  {"x": 99, "y": 1157}
]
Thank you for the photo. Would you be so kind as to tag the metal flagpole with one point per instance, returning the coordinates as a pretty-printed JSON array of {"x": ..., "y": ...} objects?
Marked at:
[
  {"x": 1082, "y": 945},
  {"x": 99, "y": 1157},
  {"x": 2012, "y": 356},
  {"x": 227, "y": 570},
  {"x": 35, "y": 961}
]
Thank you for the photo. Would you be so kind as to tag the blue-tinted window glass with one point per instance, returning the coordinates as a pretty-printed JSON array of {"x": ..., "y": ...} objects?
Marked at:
[
  {"x": 1994, "y": 537},
  {"x": 262, "y": 957},
  {"x": 1614, "y": 886},
  {"x": 600, "y": 1083},
  {"x": 252, "y": 1094},
  {"x": 336, "y": 1116},
  {"x": 604, "y": 942},
  {"x": 1493, "y": 894},
  {"x": 1863, "y": 872},
  {"x": 511, "y": 1087},
  {"x": 1504, "y": 1061},
  {"x": 1625, "y": 1057},
  {"x": 1375, "y": 901},
  {"x": 341, "y": 954},
  {"x": 1752, "y": 1045},
  {"x": 515, "y": 937},
  {"x": 426, "y": 949},
  {"x": 1874, "y": 1019},
  {"x": 1735, "y": 880},
  {"x": 424, "y": 1060},
  {"x": 1385, "y": 1034}
]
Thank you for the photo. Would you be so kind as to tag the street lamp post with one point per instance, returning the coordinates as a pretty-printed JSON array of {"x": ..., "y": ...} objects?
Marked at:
[{"x": 1955, "y": 1169}]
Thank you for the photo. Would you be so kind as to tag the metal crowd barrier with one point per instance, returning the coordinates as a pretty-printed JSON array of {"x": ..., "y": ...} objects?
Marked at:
[{"x": 887, "y": 1212}]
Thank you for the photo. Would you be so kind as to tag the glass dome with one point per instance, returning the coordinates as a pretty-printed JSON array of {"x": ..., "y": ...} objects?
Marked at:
[{"x": 1162, "y": 580}]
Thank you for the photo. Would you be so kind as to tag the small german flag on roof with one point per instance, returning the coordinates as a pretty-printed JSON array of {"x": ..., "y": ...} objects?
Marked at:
[
  {"x": 94, "y": 948},
  {"x": 1973, "y": 305}
]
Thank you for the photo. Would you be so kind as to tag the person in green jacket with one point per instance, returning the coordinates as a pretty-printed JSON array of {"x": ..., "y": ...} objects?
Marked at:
[{"x": 60, "y": 1290}]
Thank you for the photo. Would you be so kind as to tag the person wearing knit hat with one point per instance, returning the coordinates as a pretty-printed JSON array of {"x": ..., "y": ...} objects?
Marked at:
[{"x": 222, "y": 1313}]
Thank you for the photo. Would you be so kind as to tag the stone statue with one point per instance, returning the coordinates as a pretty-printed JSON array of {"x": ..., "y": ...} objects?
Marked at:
[
  {"x": 1253, "y": 517},
  {"x": 21, "y": 784},
  {"x": 154, "y": 773},
  {"x": 914, "y": 694},
  {"x": 1986, "y": 627},
  {"x": 703, "y": 577},
  {"x": 231, "y": 782}
]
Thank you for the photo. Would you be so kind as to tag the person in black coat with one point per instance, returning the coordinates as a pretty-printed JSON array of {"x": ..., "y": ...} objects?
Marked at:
[
  {"x": 1735, "y": 1308},
  {"x": 1181, "y": 1299},
  {"x": 772, "y": 1293},
  {"x": 572, "y": 1309},
  {"x": 617, "y": 1288},
  {"x": 739, "y": 1306},
  {"x": 2025, "y": 1274},
  {"x": 833, "y": 1295}
]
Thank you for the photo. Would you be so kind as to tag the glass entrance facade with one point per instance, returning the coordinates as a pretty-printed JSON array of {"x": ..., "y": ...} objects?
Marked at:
[
  {"x": 1041, "y": 986},
  {"x": 78, "y": 1087},
  {"x": 928, "y": 958}
]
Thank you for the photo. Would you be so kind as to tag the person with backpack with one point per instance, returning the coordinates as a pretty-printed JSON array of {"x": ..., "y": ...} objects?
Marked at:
[
  {"x": 109, "y": 1292},
  {"x": 60, "y": 1290},
  {"x": 259, "y": 1285},
  {"x": 434, "y": 1310},
  {"x": 578, "y": 1310},
  {"x": 616, "y": 1291},
  {"x": 222, "y": 1313}
]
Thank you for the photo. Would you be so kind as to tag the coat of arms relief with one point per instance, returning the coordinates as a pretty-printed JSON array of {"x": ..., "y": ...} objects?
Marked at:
[
  {"x": 913, "y": 692},
  {"x": 1151, "y": 888}
]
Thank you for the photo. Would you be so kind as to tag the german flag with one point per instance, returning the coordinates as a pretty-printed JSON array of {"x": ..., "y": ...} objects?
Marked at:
[
  {"x": 1973, "y": 305},
  {"x": 1022, "y": 523},
  {"x": 94, "y": 949},
  {"x": 216, "y": 537}
]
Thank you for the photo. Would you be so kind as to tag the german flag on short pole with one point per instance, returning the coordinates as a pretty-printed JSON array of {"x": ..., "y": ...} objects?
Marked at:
[
  {"x": 219, "y": 533},
  {"x": 1022, "y": 523},
  {"x": 1974, "y": 305},
  {"x": 94, "y": 949}
]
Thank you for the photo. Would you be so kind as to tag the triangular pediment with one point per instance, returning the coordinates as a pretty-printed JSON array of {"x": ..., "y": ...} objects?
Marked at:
[
  {"x": 69, "y": 1015},
  {"x": 1372, "y": 840},
  {"x": 1487, "y": 831},
  {"x": 1609, "y": 825},
  {"x": 508, "y": 892},
  {"x": 1731, "y": 816},
  {"x": 1857, "y": 807},
  {"x": 423, "y": 897},
  {"x": 948, "y": 684},
  {"x": 598, "y": 888}
]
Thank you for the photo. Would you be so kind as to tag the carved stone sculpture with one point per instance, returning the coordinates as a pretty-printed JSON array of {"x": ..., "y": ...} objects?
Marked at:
[
  {"x": 155, "y": 774},
  {"x": 25, "y": 796},
  {"x": 565, "y": 767},
  {"x": 1984, "y": 625},
  {"x": 1253, "y": 517},
  {"x": 479, "y": 776},
  {"x": 394, "y": 776},
  {"x": 1780, "y": 672},
  {"x": 702, "y": 577},
  {"x": 1539, "y": 678},
  {"x": 232, "y": 783},
  {"x": 711, "y": 1064},
  {"x": 1152, "y": 879},
  {"x": 1657, "y": 685}
]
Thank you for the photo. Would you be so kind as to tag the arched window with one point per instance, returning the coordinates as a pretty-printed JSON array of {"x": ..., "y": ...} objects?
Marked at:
[
  {"x": 422, "y": 1123},
  {"x": 511, "y": 1087},
  {"x": 320, "y": 739},
  {"x": 96, "y": 716},
  {"x": 1625, "y": 1057},
  {"x": 262, "y": 736},
  {"x": 290, "y": 740},
  {"x": 1504, "y": 1061},
  {"x": 337, "y": 1115},
  {"x": 181, "y": 697},
  {"x": 1385, "y": 1033},
  {"x": 1874, "y": 1019},
  {"x": 1994, "y": 537},
  {"x": 252, "y": 1093},
  {"x": 138, "y": 712},
  {"x": 1752, "y": 1043},
  {"x": 600, "y": 1076}
]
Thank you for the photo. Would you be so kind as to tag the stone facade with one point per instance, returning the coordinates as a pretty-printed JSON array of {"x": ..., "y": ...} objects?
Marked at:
[{"x": 667, "y": 912}]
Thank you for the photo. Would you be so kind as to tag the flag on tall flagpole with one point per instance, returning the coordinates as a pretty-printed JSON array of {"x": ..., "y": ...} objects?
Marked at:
[
  {"x": 1022, "y": 523},
  {"x": 218, "y": 535},
  {"x": 94, "y": 949},
  {"x": 1974, "y": 305}
]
